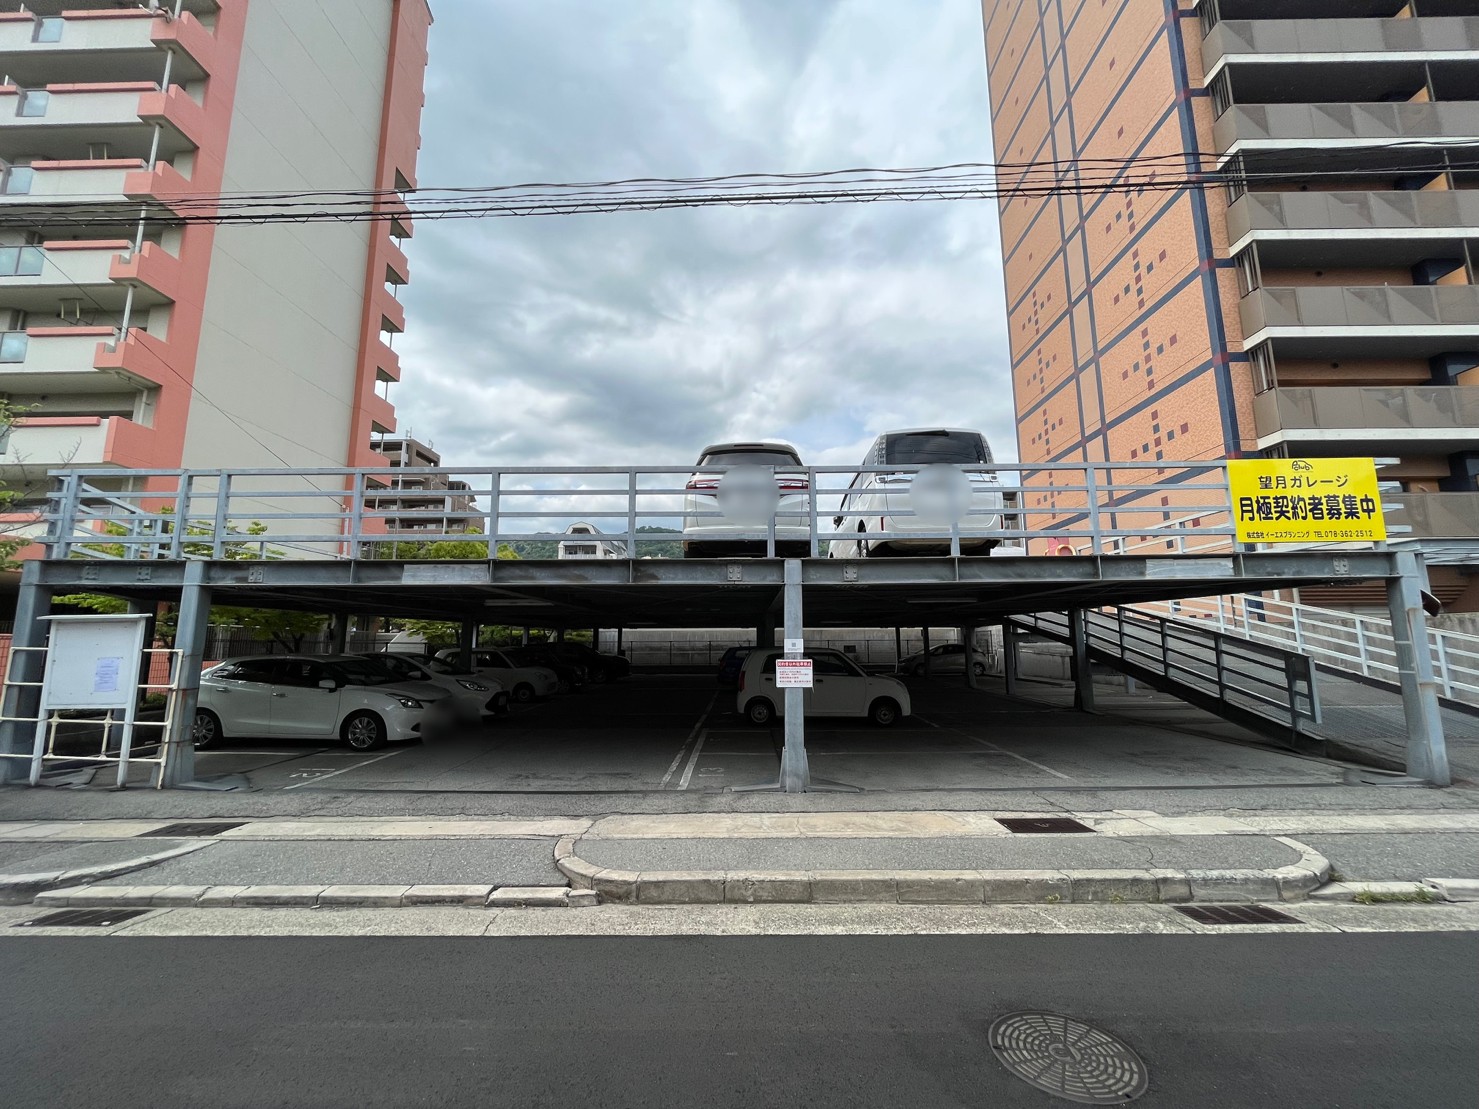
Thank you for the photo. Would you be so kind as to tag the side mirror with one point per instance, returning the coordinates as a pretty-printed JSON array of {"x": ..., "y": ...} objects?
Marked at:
[
  {"x": 328, "y": 683},
  {"x": 836, "y": 521}
]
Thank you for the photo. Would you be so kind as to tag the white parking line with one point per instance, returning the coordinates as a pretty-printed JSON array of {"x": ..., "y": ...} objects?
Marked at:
[
  {"x": 1010, "y": 754},
  {"x": 346, "y": 770},
  {"x": 692, "y": 736}
]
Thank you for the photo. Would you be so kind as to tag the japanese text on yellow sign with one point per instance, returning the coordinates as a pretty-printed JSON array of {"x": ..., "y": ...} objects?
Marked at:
[{"x": 1306, "y": 500}]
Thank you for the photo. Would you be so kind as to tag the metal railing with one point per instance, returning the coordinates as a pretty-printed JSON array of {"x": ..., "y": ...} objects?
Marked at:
[
  {"x": 1346, "y": 641},
  {"x": 1220, "y": 670},
  {"x": 103, "y": 513}
]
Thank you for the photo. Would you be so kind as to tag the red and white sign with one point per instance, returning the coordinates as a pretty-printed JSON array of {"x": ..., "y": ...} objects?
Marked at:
[{"x": 793, "y": 673}]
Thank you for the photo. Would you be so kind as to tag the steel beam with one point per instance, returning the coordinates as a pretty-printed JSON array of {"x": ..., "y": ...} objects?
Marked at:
[
  {"x": 190, "y": 636},
  {"x": 1427, "y": 750},
  {"x": 339, "y": 633},
  {"x": 1009, "y": 659},
  {"x": 17, "y": 737},
  {"x": 795, "y": 773},
  {"x": 1083, "y": 671}
]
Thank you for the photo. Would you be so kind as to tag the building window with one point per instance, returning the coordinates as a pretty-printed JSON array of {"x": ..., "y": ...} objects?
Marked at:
[
  {"x": 13, "y": 346},
  {"x": 21, "y": 261},
  {"x": 48, "y": 29},
  {"x": 32, "y": 103},
  {"x": 17, "y": 180}
]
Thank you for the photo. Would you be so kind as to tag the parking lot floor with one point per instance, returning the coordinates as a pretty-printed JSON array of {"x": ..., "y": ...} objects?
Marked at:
[{"x": 680, "y": 733}]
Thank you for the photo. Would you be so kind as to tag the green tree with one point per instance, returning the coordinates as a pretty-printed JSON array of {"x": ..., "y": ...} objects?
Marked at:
[
  {"x": 444, "y": 633},
  {"x": 10, "y": 545}
]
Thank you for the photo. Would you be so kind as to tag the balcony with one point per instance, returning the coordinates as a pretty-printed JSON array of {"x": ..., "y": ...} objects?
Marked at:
[
  {"x": 1302, "y": 41},
  {"x": 1341, "y": 420},
  {"x": 67, "y": 121},
  {"x": 37, "y": 279},
  {"x": 1380, "y": 321},
  {"x": 40, "y": 444},
  {"x": 1353, "y": 228},
  {"x": 1434, "y": 515},
  {"x": 108, "y": 46},
  {"x": 1271, "y": 127}
]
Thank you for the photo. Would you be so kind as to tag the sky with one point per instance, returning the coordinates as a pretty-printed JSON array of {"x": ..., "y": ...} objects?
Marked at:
[{"x": 638, "y": 338}]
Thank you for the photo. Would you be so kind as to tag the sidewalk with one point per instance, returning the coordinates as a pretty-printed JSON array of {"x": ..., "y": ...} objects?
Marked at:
[{"x": 927, "y": 857}]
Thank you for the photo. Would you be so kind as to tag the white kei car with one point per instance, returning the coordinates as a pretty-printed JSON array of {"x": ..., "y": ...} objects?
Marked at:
[
  {"x": 839, "y": 688},
  {"x": 474, "y": 695},
  {"x": 735, "y": 516},
  {"x": 312, "y": 697},
  {"x": 873, "y": 502},
  {"x": 524, "y": 683}
]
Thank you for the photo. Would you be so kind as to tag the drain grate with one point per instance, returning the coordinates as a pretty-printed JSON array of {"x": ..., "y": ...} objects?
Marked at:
[
  {"x": 1068, "y": 1058},
  {"x": 1041, "y": 824},
  {"x": 82, "y": 918},
  {"x": 1236, "y": 914},
  {"x": 192, "y": 828}
]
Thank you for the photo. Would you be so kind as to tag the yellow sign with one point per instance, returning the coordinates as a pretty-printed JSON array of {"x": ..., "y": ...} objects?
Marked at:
[{"x": 1306, "y": 500}]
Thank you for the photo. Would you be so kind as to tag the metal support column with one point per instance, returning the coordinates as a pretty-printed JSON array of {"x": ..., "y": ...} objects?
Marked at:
[
  {"x": 339, "y": 634},
  {"x": 898, "y": 647},
  {"x": 968, "y": 637},
  {"x": 190, "y": 637},
  {"x": 1009, "y": 657},
  {"x": 795, "y": 773},
  {"x": 1083, "y": 673},
  {"x": 925, "y": 634},
  {"x": 467, "y": 641},
  {"x": 17, "y": 738},
  {"x": 1427, "y": 751},
  {"x": 765, "y": 631}
]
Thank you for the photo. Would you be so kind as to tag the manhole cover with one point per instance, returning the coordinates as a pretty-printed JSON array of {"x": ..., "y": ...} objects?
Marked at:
[
  {"x": 1068, "y": 1058},
  {"x": 192, "y": 828},
  {"x": 1041, "y": 824},
  {"x": 82, "y": 918},
  {"x": 1236, "y": 914}
]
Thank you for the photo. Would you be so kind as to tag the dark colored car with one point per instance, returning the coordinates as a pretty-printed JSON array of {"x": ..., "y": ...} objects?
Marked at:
[
  {"x": 601, "y": 667},
  {"x": 731, "y": 665},
  {"x": 571, "y": 675}
]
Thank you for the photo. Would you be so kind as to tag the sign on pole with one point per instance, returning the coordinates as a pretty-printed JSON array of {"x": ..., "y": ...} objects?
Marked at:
[
  {"x": 1306, "y": 500},
  {"x": 793, "y": 673}
]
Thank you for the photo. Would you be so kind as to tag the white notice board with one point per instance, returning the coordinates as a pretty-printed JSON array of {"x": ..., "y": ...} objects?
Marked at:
[
  {"x": 793, "y": 673},
  {"x": 93, "y": 662}
]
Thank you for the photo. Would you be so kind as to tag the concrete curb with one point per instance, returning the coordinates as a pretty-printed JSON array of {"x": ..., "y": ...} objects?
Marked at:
[
  {"x": 1423, "y": 889},
  {"x": 948, "y": 887},
  {"x": 20, "y": 889},
  {"x": 318, "y": 896}
]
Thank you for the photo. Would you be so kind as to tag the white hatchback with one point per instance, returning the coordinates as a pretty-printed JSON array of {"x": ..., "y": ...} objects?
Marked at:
[
  {"x": 886, "y": 502},
  {"x": 732, "y": 493},
  {"x": 524, "y": 683},
  {"x": 303, "y": 697},
  {"x": 840, "y": 688}
]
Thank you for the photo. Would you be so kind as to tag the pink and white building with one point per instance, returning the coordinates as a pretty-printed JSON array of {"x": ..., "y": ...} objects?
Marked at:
[{"x": 148, "y": 342}]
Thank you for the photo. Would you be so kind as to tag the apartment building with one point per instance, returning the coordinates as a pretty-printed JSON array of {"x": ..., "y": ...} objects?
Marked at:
[
  {"x": 1316, "y": 297},
  {"x": 149, "y": 338},
  {"x": 432, "y": 502}
]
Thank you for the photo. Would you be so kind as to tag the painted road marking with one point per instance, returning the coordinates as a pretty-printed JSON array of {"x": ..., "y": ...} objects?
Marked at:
[
  {"x": 346, "y": 770},
  {"x": 1010, "y": 754},
  {"x": 693, "y": 736}
]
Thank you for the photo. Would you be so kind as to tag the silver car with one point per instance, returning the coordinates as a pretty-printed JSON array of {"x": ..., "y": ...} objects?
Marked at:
[{"x": 339, "y": 697}]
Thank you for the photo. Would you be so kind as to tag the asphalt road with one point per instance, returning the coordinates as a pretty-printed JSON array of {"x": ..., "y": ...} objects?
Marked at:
[{"x": 1313, "y": 1021}]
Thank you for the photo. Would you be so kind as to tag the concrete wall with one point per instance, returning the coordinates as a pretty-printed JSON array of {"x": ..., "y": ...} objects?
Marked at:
[{"x": 280, "y": 343}]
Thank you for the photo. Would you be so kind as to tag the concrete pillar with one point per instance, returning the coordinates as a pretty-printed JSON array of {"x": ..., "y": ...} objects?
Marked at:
[
  {"x": 190, "y": 636},
  {"x": 1427, "y": 750},
  {"x": 339, "y": 634},
  {"x": 1009, "y": 663},
  {"x": 1083, "y": 674},
  {"x": 795, "y": 773},
  {"x": 17, "y": 737}
]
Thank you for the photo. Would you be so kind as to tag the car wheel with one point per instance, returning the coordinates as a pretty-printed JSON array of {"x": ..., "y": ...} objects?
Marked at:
[
  {"x": 979, "y": 668},
  {"x": 599, "y": 676},
  {"x": 363, "y": 731},
  {"x": 918, "y": 670},
  {"x": 206, "y": 732},
  {"x": 884, "y": 712},
  {"x": 523, "y": 693},
  {"x": 760, "y": 712},
  {"x": 500, "y": 705}
]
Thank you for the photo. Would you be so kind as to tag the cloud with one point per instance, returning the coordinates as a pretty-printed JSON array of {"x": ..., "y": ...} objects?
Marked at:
[{"x": 637, "y": 338}]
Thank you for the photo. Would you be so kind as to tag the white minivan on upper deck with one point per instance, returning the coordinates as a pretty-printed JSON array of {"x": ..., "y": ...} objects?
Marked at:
[{"x": 874, "y": 502}]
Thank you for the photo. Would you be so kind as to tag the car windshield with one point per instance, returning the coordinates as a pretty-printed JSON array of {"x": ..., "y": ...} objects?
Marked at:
[
  {"x": 921, "y": 448},
  {"x": 362, "y": 671},
  {"x": 442, "y": 666},
  {"x": 750, "y": 458}
]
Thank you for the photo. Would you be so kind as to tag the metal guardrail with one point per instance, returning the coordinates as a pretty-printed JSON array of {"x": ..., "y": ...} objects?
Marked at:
[
  {"x": 1347, "y": 641},
  {"x": 102, "y": 513},
  {"x": 1214, "y": 668}
]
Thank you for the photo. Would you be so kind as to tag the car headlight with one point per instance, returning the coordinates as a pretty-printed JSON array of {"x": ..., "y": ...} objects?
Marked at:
[
  {"x": 476, "y": 687},
  {"x": 410, "y": 702}
]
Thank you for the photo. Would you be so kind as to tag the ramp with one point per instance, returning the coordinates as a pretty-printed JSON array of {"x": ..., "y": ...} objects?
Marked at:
[{"x": 1264, "y": 688}]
